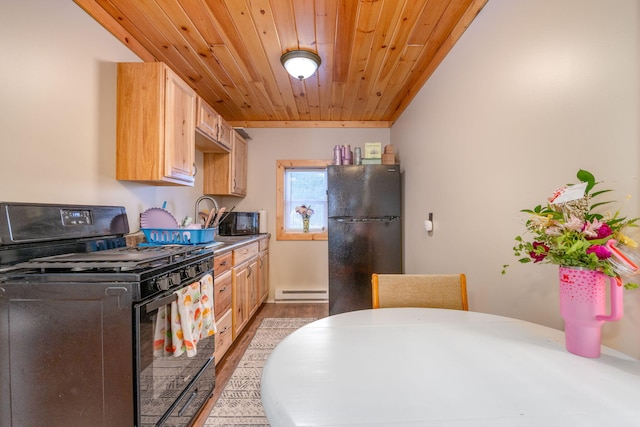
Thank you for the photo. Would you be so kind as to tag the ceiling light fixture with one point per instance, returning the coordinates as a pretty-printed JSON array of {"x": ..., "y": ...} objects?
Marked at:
[{"x": 301, "y": 64}]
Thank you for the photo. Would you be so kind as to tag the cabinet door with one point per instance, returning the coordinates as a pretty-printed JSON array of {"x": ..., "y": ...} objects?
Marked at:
[
  {"x": 155, "y": 129},
  {"x": 263, "y": 276},
  {"x": 239, "y": 165},
  {"x": 225, "y": 174},
  {"x": 206, "y": 119},
  {"x": 240, "y": 299},
  {"x": 253, "y": 285},
  {"x": 207, "y": 125},
  {"x": 179, "y": 144},
  {"x": 224, "y": 134}
]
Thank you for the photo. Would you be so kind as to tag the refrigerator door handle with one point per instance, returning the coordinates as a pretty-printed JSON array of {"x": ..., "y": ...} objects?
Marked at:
[{"x": 350, "y": 219}]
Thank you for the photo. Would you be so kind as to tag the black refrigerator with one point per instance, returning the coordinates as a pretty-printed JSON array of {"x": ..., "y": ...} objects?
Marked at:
[{"x": 365, "y": 231}]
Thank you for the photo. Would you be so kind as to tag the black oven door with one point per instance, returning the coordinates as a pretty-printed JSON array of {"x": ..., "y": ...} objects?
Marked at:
[{"x": 170, "y": 390}]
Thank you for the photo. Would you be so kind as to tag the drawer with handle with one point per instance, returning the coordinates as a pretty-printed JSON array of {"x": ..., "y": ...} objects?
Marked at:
[
  {"x": 222, "y": 293},
  {"x": 223, "y": 337},
  {"x": 222, "y": 263},
  {"x": 245, "y": 253}
]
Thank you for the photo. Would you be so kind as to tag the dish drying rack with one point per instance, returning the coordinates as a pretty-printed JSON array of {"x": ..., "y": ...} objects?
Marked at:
[{"x": 178, "y": 236}]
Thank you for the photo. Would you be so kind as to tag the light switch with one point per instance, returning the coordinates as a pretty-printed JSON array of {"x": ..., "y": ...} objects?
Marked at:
[{"x": 428, "y": 224}]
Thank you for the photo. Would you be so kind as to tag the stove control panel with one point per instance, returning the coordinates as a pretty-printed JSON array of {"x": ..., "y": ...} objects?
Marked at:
[{"x": 76, "y": 217}]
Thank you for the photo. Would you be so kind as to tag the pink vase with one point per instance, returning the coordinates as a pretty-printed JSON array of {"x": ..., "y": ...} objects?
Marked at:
[{"x": 583, "y": 300}]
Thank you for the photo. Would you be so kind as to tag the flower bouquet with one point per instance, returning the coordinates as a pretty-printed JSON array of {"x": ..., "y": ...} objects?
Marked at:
[
  {"x": 305, "y": 212},
  {"x": 568, "y": 231}
]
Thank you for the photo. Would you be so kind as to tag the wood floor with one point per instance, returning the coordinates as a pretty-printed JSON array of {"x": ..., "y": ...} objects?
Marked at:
[{"x": 225, "y": 368}]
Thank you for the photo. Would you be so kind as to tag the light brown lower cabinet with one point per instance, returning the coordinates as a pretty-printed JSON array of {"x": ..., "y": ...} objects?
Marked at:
[
  {"x": 245, "y": 270},
  {"x": 241, "y": 286},
  {"x": 244, "y": 282}
]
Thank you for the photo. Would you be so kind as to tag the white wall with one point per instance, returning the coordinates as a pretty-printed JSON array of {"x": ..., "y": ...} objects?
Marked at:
[
  {"x": 58, "y": 112},
  {"x": 294, "y": 264},
  {"x": 534, "y": 91}
]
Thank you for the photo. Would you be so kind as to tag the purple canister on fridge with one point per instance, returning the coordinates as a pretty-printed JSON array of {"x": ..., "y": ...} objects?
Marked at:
[
  {"x": 347, "y": 155},
  {"x": 337, "y": 155}
]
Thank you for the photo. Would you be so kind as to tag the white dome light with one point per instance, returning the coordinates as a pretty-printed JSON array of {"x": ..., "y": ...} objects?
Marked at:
[{"x": 301, "y": 64}]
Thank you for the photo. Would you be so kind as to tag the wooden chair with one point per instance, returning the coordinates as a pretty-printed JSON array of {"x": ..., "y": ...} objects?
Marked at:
[{"x": 420, "y": 290}]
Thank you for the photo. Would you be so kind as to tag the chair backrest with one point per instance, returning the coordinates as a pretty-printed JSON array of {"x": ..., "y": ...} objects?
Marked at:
[{"x": 420, "y": 290}]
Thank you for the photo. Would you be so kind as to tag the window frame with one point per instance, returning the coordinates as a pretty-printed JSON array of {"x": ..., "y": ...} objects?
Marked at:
[{"x": 281, "y": 167}]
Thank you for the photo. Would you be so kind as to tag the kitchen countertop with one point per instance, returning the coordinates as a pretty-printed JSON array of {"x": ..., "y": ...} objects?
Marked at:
[{"x": 230, "y": 243}]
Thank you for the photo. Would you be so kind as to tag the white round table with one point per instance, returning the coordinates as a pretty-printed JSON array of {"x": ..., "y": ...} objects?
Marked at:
[{"x": 415, "y": 367}]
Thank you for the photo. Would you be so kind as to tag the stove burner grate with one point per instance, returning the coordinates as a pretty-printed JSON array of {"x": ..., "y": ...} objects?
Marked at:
[{"x": 120, "y": 259}]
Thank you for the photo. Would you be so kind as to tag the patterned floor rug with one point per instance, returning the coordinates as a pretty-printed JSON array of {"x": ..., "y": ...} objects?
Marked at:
[{"x": 240, "y": 404}]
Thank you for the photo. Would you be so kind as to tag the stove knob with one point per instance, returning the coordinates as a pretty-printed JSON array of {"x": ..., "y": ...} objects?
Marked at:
[
  {"x": 175, "y": 279},
  {"x": 163, "y": 283},
  {"x": 191, "y": 272},
  {"x": 204, "y": 266}
]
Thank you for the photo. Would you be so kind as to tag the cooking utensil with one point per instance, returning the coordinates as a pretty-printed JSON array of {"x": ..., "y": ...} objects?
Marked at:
[
  {"x": 209, "y": 218},
  {"x": 227, "y": 214},
  {"x": 216, "y": 221},
  {"x": 202, "y": 216}
]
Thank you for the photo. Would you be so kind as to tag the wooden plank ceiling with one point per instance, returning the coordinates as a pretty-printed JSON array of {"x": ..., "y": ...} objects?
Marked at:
[{"x": 376, "y": 54}]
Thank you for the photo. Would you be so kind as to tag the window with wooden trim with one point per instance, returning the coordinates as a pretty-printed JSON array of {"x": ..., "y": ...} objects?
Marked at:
[{"x": 301, "y": 182}]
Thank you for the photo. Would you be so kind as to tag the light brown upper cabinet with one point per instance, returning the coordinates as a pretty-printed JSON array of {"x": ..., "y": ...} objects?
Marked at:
[
  {"x": 155, "y": 133},
  {"x": 212, "y": 131},
  {"x": 225, "y": 174},
  {"x": 225, "y": 132}
]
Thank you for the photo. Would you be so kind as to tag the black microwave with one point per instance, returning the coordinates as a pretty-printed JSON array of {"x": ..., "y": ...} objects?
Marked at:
[{"x": 240, "y": 224}]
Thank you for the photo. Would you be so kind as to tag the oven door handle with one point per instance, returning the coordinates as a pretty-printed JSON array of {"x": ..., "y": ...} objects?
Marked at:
[{"x": 154, "y": 305}]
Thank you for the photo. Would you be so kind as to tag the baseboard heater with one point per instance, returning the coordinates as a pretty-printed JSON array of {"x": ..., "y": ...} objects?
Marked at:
[{"x": 301, "y": 295}]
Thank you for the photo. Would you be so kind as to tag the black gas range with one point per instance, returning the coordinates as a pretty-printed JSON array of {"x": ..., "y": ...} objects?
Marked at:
[
  {"x": 78, "y": 317},
  {"x": 152, "y": 269}
]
